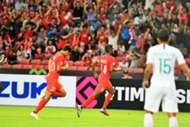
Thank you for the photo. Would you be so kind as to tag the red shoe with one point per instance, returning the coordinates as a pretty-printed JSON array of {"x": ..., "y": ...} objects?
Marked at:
[{"x": 103, "y": 110}]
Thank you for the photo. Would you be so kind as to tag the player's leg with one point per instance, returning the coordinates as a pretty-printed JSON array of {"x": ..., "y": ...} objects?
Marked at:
[
  {"x": 99, "y": 89},
  {"x": 111, "y": 92},
  {"x": 95, "y": 94},
  {"x": 41, "y": 104},
  {"x": 107, "y": 100},
  {"x": 172, "y": 120},
  {"x": 148, "y": 119},
  {"x": 153, "y": 99},
  {"x": 170, "y": 106},
  {"x": 60, "y": 92}
]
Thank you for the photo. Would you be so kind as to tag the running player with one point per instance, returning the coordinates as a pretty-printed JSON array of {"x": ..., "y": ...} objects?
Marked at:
[
  {"x": 160, "y": 62},
  {"x": 107, "y": 62},
  {"x": 54, "y": 87}
]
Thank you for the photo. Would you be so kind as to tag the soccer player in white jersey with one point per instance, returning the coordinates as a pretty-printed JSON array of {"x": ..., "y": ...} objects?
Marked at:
[{"x": 161, "y": 60}]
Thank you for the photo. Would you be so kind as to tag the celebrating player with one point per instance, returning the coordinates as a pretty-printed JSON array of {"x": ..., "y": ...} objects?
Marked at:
[
  {"x": 107, "y": 62},
  {"x": 54, "y": 87},
  {"x": 160, "y": 62}
]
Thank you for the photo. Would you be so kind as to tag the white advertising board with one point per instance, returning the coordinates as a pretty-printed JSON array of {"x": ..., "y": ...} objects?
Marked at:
[{"x": 25, "y": 90}]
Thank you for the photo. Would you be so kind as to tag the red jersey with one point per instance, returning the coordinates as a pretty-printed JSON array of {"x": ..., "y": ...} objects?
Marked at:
[
  {"x": 106, "y": 62},
  {"x": 84, "y": 37},
  {"x": 56, "y": 63},
  {"x": 102, "y": 37}
]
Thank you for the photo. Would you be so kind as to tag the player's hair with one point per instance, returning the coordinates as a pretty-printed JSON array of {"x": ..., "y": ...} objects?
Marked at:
[
  {"x": 164, "y": 34},
  {"x": 67, "y": 48},
  {"x": 108, "y": 48}
]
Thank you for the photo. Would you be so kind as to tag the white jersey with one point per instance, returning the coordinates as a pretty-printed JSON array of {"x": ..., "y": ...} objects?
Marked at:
[{"x": 163, "y": 58}]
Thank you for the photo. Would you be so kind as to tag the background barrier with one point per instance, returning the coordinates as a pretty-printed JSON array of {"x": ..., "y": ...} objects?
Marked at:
[
  {"x": 23, "y": 89},
  {"x": 130, "y": 95}
]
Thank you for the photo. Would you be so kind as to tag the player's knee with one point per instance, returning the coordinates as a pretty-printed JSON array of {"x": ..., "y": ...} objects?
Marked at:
[
  {"x": 96, "y": 95},
  {"x": 112, "y": 91},
  {"x": 148, "y": 112},
  {"x": 173, "y": 114}
]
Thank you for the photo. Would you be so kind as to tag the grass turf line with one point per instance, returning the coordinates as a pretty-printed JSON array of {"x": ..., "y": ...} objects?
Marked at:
[{"x": 13, "y": 116}]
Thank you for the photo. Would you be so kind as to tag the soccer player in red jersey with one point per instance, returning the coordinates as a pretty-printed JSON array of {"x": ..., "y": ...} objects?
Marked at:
[
  {"x": 54, "y": 87},
  {"x": 107, "y": 62}
]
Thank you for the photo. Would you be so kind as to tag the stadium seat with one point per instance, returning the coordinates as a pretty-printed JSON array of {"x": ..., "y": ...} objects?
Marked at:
[
  {"x": 36, "y": 62},
  {"x": 79, "y": 63},
  {"x": 24, "y": 61},
  {"x": 27, "y": 66},
  {"x": 6, "y": 66},
  {"x": 138, "y": 70},
  {"x": 72, "y": 68},
  {"x": 45, "y": 67},
  {"x": 121, "y": 59},
  {"x": 37, "y": 66},
  {"x": 17, "y": 66},
  {"x": 81, "y": 68},
  {"x": 45, "y": 62}
]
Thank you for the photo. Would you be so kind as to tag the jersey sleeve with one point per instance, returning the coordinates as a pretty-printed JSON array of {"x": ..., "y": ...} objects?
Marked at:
[
  {"x": 150, "y": 56},
  {"x": 179, "y": 57}
]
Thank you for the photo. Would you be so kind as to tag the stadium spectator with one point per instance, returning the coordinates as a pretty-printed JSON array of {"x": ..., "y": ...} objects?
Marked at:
[{"x": 37, "y": 29}]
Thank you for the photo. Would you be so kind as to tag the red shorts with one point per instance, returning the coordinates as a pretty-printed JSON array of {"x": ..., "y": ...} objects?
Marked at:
[
  {"x": 53, "y": 83},
  {"x": 103, "y": 84}
]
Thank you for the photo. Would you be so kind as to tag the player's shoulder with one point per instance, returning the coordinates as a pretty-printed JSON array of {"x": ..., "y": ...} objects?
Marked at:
[
  {"x": 173, "y": 49},
  {"x": 153, "y": 48},
  {"x": 160, "y": 47}
]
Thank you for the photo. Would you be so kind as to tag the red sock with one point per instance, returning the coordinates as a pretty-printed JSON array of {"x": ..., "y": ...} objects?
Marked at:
[
  {"x": 41, "y": 104},
  {"x": 88, "y": 101},
  {"x": 57, "y": 94},
  {"x": 107, "y": 100}
]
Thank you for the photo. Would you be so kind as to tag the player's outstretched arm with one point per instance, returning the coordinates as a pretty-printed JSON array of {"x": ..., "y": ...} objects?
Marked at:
[{"x": 147, "y": 73}]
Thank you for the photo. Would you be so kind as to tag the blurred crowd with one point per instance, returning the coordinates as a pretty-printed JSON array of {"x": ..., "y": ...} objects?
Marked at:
[{"x": 37, "y": 29}]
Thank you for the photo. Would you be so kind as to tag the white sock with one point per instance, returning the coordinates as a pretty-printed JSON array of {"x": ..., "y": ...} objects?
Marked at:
[
  {"x": 173, "y": 122},
  {"x": 148, "y": 120}
]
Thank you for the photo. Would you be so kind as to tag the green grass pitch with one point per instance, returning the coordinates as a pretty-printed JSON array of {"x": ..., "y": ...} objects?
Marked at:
[{"x": 13, "y": 116}]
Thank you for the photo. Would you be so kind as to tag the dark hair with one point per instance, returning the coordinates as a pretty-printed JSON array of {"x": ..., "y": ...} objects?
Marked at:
[
  {"x": 164, "y": 34},
  {"x": 108, "y": 48},
  {"x": 67, "y": 48}
]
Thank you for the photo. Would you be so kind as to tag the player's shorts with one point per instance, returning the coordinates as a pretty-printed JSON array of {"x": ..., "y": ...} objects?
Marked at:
[
  {"x": 53, "y": 83},
  {"x": 165, "y": 95},
  {"x": 103, "y": 84}
]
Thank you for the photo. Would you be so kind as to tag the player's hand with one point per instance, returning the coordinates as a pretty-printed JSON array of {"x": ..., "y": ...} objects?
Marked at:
[
  {"x": 95, "y": 76},
  {"x": 145, "y": 84}
]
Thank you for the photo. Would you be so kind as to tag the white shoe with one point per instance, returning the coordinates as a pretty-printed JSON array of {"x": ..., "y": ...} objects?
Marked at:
[
  {"x": 34, "y": 115},
  {"x": 79, "y": 110}
]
